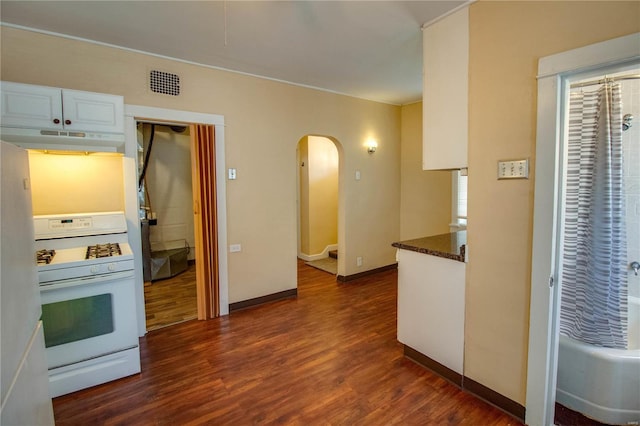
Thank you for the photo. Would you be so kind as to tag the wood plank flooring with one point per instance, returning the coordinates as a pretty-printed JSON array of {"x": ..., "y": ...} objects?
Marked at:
[
  {"x": 329, "y": 357},
  {"x": 172, "y": 300}
]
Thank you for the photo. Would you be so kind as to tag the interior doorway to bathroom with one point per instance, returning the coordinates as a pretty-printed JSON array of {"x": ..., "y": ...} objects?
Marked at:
[
  {"x": 604, "y": 195},
  {"x": 555, "y": 74},
  {"x": 318, "y": 162}
]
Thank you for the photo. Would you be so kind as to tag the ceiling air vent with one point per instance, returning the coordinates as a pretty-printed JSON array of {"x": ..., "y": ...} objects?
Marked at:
[{"x": 164, "y": 82}]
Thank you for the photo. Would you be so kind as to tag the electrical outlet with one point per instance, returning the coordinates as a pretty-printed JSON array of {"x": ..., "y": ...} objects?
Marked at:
[
  {"x": 513, "y": 169},
  {"x": 359, "y": 261},
  {"x": 235, "y": 248}
]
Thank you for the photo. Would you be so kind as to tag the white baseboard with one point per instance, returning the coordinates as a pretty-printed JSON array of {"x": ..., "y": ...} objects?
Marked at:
[{"x": 323, "y": 255}]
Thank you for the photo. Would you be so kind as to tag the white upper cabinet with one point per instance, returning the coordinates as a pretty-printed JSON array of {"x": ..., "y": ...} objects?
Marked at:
[
  {"x": 39, "y": 107},
  {"x": 445, "y": 92}
]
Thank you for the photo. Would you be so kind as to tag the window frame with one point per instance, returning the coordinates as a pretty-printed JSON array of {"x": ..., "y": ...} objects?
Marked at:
[{"x": 458, "y": 221}]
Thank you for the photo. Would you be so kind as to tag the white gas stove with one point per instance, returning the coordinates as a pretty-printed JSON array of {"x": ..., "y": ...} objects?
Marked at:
[
  {"x": 78, "y": 245},
  {"x": 86, "y": 275}
]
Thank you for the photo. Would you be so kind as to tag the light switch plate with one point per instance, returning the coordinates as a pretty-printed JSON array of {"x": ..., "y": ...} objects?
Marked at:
[
  {"x": 513, "y": 169},
  {"x": 232, "y": 174}
]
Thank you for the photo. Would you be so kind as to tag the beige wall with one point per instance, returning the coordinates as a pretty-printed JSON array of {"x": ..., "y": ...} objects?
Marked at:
[
  {"x": 319, "y": 199},
  {"x": 264, "y": 122},
  {"x": 62, "y": 183},
  {"x": 425, "y": 196},
  {"x": 506, "y": 41}
]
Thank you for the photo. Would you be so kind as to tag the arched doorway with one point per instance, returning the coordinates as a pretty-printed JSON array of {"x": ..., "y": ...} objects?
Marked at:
[{"x": 318, "y": 176}]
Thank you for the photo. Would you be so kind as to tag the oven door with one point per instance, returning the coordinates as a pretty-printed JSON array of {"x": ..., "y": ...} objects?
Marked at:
[{"x": 89, "y": 317}]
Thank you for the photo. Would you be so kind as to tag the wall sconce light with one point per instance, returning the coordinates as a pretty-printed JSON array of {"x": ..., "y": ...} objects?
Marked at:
[{"x": 371, "y": 145}]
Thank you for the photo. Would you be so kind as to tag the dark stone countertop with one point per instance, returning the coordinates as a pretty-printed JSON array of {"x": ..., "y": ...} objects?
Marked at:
[{"x": 451, "y": 246}]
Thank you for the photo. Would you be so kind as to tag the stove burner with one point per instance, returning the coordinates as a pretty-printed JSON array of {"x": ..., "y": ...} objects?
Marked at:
[
  {"x": 103, "y": 250},
  {"x": 44, "y": 257}
]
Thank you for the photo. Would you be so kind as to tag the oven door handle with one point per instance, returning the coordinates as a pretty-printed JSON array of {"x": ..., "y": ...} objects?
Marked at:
[{"x": 94, "y": 279}]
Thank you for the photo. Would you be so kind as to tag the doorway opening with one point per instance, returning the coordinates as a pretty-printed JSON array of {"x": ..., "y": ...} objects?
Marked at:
[
  {"x": 206, "y": 203},
  {"x": 599, "y": 239},
  {"x": 555, "y": 74},
  {"x": 318, "y": 177},
  {"x": 168, "y": 239}
]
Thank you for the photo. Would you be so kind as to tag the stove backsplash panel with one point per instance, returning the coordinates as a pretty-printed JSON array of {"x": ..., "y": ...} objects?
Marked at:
[{"x": 64, "y": 183}]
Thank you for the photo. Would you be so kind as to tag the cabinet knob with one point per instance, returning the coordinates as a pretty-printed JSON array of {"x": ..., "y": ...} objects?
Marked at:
[
  {"x": 56, "y": 121},
  {"x": 67, "y": 122}
]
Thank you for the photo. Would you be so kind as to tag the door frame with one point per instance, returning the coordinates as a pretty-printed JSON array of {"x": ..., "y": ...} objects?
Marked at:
[
  {"x": 133, "y": 114},
  {"x": 555, "y": 73}
]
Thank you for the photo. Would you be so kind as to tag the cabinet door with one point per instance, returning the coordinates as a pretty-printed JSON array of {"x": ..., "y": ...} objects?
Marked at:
[
  {"x": 29, "y": 106},
  {"x": 97, "y": 112},
  {"x": 445, "y": 98},
  {"x": 431, "y": 305}
]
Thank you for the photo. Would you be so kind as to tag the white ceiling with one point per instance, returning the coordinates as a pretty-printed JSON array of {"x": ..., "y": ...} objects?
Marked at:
[{"x": 367, "y": 49}]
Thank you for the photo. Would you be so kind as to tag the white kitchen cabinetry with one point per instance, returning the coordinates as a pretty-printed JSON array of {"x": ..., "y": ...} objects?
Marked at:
[
  {"x": 49, "y": 108},
  {"x": 431, "y": 307},
  {"x": 445, "y": 92}
]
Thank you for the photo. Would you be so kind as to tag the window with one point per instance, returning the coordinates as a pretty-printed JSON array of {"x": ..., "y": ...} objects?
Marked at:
[{"x": 459, "y": 200}]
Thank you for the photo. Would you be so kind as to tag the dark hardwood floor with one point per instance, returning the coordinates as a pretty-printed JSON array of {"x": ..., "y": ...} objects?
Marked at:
[{"x": 329, "y": 357}]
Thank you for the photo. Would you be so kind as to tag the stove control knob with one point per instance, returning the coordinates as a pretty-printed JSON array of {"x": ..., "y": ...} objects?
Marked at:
[
  {"x": 111, "y": 267},
  {"x": 94, "y": 269}
]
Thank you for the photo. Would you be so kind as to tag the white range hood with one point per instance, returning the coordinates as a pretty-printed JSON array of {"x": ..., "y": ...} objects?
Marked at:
[{"x": 63, "y": 140}]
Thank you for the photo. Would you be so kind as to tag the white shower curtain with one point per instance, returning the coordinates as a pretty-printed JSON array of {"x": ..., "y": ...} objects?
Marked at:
[{"x": 594, "y": 277}]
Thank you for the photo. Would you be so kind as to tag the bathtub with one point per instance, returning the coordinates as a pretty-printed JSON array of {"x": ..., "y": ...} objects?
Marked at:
[{"x": 601, "y": 383}]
